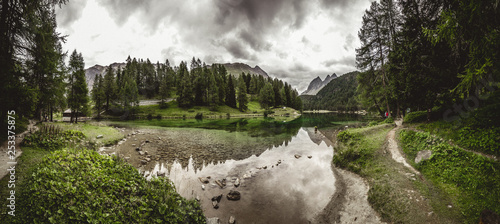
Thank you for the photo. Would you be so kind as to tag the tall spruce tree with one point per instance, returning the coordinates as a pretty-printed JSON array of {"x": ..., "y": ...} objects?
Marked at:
[
  {"x": 78, "y": 93},
  {"x": 242, "y": 94},
  {"x": 231, "y": 92}
]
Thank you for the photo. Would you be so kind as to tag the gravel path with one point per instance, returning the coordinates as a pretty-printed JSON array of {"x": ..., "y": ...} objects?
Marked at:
[
  {"x": 5, "y": 157},
  {"x": 394, "y": 149}
]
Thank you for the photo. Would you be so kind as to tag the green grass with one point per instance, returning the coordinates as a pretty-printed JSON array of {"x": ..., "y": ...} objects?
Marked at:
[
  {"x": 471, "y": 181},
  {"x": 26, "y": 163},
  {"x": 92, "y": 129},
  {"x": 362, "y": 150},
  {"x": 173, "y": 110}
]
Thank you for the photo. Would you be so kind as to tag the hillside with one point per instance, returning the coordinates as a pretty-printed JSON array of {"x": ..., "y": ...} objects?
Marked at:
[
  {"x": 338, "y": 94},
  {"x": 317, "y": 84}
]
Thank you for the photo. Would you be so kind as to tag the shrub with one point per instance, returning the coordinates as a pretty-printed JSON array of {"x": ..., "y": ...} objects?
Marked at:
[
  {"x": 478, "y": 139},
  {"x": 51, "y": 138},
  {"x": 414, "y": 117},
  {"x": 373, "y": 123},
  {"x": 345, "y": 136},
  {"x": 388, "y": 120},
  {"x": 163, "y": 105},
  {"x": 81, "y": 186},
  {"x": 199, "y": 116},
  {"x": 158, "y": 116},
  {"x": 150, "y": 117}
]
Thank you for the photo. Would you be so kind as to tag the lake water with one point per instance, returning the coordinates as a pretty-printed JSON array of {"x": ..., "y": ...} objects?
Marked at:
[{"x": 284, "y": 167}]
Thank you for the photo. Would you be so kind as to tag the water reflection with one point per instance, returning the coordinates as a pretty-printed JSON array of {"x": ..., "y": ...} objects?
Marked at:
[{"x": 293, "y": 191}]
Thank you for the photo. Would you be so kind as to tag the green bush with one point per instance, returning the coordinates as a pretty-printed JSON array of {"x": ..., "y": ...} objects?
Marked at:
[
  {"x": 150, "y": 117},
  {"x": 81, "y": 186},
  {"x": 345, "y": 136},
  {"x": 351, "y": 159},
  {"x": 474, "y": 178},
  {"x": 51, "y": 138},
  {"x": 373, "y": 123},
  {"x": 415, "y": 117},
  {"x": 388, "y": 120},
  {"x": 199, "y": 116},
  {"x": 482, "y": 140}
]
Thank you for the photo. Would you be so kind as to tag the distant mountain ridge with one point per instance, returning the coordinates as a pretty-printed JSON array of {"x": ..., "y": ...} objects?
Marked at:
[
  {"x": 90, "y": 73},
  {"x": 237, "y": 68},
  {"x": 317, "y": 84}
]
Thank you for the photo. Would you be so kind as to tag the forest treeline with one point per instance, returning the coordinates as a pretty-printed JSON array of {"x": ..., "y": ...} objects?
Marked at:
[
  {"x": 36, "y": 81},
  {"x": 200, "y": 85},
  {"x": 421, "y": 54}
]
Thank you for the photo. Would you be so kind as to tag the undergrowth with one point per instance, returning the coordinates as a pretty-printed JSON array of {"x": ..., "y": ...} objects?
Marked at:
[
  {"x": 472, "y": 179},
  {"x": 81, "y": 186}
]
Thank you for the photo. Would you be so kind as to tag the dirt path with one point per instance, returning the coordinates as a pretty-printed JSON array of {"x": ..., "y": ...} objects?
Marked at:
[
  {"x": 394, "y": 149},
  {"x": 349, "y": 204},
  {"x": 4, "y": 156}
]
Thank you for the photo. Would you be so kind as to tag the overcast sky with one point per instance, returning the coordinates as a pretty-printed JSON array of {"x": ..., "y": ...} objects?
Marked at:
[{"x": 294, "y": 40}]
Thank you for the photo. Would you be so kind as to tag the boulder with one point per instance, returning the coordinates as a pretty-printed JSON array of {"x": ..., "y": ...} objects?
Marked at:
[
  {"x": 99, "y": 136},
  {"x": 297, "y": 156},
  {"x": 144, "y": 162},
  {"x": 213, "y": 220},
  {"x": 233, "y": 195},
  {"x": 141, "y": 153},
  {"x": 237, "y": 182},
  {"x": 309, "y": 157},
  {"x": 217, "y": 198},
  {"x": 232, "y": 220},
  {"x": 423, "y": 155}
]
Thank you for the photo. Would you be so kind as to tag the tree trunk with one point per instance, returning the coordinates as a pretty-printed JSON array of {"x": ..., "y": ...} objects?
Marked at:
[
  {"x": 76, "y": 117},
  {"x": 429, "y": 114}
]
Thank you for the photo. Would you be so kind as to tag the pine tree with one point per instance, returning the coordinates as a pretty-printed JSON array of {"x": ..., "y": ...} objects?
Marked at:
[
  {"x": 98, "y": 95},
  {"x": 78, "y": 92},
  {"x": 231, "y": 93},
  {"x": 266, "y": 96},
  {"x": 110, "y": 87},
  {"x": 242, "y": 94}
]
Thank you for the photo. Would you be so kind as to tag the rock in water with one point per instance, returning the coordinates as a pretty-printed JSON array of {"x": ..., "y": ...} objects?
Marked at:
[
  {"x": 203, "y": 180},
  {"x": 423, "y": 155},
  {"x": 217, "y": 198},
  {"x": 309, "y": 157},
  {"x": 232, "y": 220},
  {"x": 215, "y": 204},
  {"x": 213, "y": 220},
  {"x": 297, "y": 156},
  {"x": 233, "y": 195},
  {"x": 218, "y": 182},
  {"x": 237, "y": 182}
]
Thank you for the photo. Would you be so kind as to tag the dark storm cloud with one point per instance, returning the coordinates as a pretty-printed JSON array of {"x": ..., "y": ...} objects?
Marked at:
[
  {"x": 70, "y": 12},
  {"x": 237, "y": 50}
]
